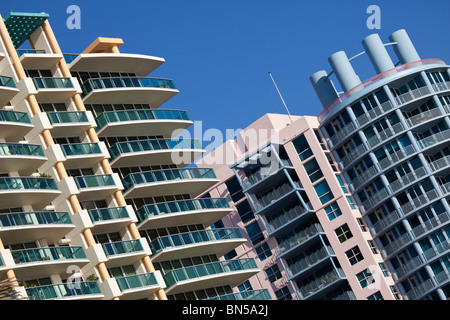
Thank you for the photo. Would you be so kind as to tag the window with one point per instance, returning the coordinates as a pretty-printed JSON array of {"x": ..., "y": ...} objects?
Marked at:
[
  {"x": 365, "y": 278},
  {"x": 313, "y": 170},
  {"x": 354, "y": 255},
  {"x": 361, "y": 224},
  {"x": 342, "y": 184},
  {"x": 372, "y": 246},
  {"x": 395, "y": 292},
  {"x": 254, "y": 232},
  {"x": 351, "y": 203},
  {"x": 343, "y": 233},
  {"x": 230, "y": 255},
  {"x": 273, "y": 273},
  {"x": 234, "y": 188},
  {"x": 384, "y": 271},
  {"x": 246, "y": 286},
  {"x": 245, "y": 211},
  {"x": 376, "y": 296},
  {"x": 283, "y": 294},
  {"x": 302, "y": 147},
  {"x": 331, "y": 162},
  {"x": 263, "y": 252},
  {"x": 323, "y": 192},
  {"x": 332, "y": 211}
]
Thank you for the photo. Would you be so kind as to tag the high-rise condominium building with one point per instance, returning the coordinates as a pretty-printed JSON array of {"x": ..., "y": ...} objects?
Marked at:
[
  {"x": 391, "y": 137},
  {"x": 305, "y": 231},
  {"x": 91, "y": 182}
]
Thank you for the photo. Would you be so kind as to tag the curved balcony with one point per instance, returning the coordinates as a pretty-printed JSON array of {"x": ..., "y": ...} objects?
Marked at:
[
  {"x": 69, "y": 124},
  {"x": 262, "y": 294},
  {"x": 196, "y": 243},
  {"x": 8, "y": 90},
  {"x": 110, "y": 219},
  {"x": 97, "y": 186},
  {"x": 38, "y": 59},
  {"x": 139, "y": 64},
  {"x": 146, "y": 122},
  {"x": 33, "y": 226},
  {"x": 124, "y": 252},
  {"x": 14, "y": 125},
  {"x": 277, "y": 198},
  {"x": 21, "y": 157},
  {"x": 171, "y": 181},
  {"x": 82, "y": 155},
  {"x": 66, "y": 291},
  {"x": 21, "y": 191},
  {"x": 44, "y": 262},
  {"x": 204, "y": 211},
  {"x": 152, "y": 152},
  {"x": 54, "y": 89},
  {"x": 150, "y": 91},
  {"x": 139, "y": 286},
  {"x": 220, "y": 273}
]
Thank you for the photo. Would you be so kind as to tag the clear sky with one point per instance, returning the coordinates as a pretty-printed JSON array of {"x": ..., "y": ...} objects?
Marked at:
[{"x": 219, "y": 53}]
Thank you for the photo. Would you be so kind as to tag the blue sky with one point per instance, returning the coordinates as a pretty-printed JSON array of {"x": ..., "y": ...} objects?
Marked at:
[{"x": 219, "y": 53}]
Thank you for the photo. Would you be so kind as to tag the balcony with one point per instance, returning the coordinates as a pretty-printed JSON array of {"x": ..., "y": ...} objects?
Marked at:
[
  {"x": 21, "y": 157},
  {"x": 424, "y": 117},
  {"x": 82, "y": 155},
  {"x": 434, "y": 139},
  {"x": 322, "y": 285},
  {"x": 21, "y": 191},
  {"x": 142, "y": 122},
  {"x": 110, "y": 219},
  {"x": 54, "y": 89},
  {"x": 413, "y": 95},
  {"x": 220, "y": 273},
  {"x": 69, "y": 124},
  {"x": 44, "y": 262},
  {"x": 97, "y": 186},
  {"x": 150, "y": 91},
  {"x": 33, "y": 226},
  {"x": 371, "y": 202},
  {"x": 309, "y": 262},
  {"x": 38, "y": 59},
  {"x": 14, "y": 125},
  {"x": 139, "y": 286},
  {"x": 124, "y": 252},
  {"x": 204, "y": 211},
  {"x": 171, "y": 181},
  {"x": 8, "y": 90},
  {"x": 196, "y": 243},
  {"x": 152, "y": 152},
  {"x": 284, "y": 221},
  {"x": 64, "y": 291},
  {"x": 276, "y": 197},
  {"x": 139, "y": 64},
  {"x": 299, "y": 238},
  {"x": 262, "y": 294},
  {"x": 374, "y": 113}
]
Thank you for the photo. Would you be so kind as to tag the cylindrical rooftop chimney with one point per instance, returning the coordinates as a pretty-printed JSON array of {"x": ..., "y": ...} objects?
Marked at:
[
  {"x": 344, "y": 70},
  {"x": 377, "y": 53},
  {"x": 404, "y": 49},
  {"x": 324, "y": 88}
]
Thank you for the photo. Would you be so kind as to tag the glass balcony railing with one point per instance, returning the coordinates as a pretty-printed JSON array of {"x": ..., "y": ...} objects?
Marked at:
[
  {"x": 208, "y": 269},
  {"x": 7, "y": 82},
  {"x": 21, "y": 149},
  {"x": 262, "y": 294},
  {"x": 14, "y": 116},
  {"x": 136, "y": 281},
  {"x": 20, "y": 52},
  {"x": 106, "y": 214},
  {"x": 67, "y": 117},
  {"x": 181, "y": 206},
  {"x": 151, "y": 145},
  {"x": 121, "y": 247},
  {"x": 34, "y": 218},
  {"x": 45, "y": 254},
  {"x": 14, "y": 183},
  {"x": 137, "y": 115},
  {"x": 101, "y": 180},
  {"x": 134, "y": 179},
  {"x": 55, "y": 291},
  {"x": 69, "y": 57},
  {"x": 195, "y": 237},
  {"x": 53, "y": 83},
  {"x": 79, "y": 149},
  {"x": 125, "y": 82}
]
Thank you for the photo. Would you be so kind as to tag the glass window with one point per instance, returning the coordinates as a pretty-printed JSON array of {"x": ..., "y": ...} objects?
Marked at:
[
  {"x": 365, "y": 278},
  {"x": 302, "y": 147},
  {"x": 254, "y": 232},
  {"x": 273, "y": 273},
  {"x": 283, "y": 294},
  {"x": 343, "y": 233},
  {"x": 313, "y": 170},
  {"x": 263, "y": 252},
  {"x": 332, "y": 211},
  {"x": 354, "y": 255},
  {"x": 245, "y": 211},
  {"x": 323, "y": 191},
  {"x": 376, "y": 296},
  {"x": 234, "y": 188}
]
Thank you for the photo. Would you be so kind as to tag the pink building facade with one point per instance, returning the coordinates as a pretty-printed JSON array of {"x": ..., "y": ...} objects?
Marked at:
[{"x": 304, "y": 230}]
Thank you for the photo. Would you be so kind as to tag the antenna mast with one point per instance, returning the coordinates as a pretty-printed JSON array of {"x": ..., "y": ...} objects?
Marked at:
[{"x": 281, "y": 97}]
